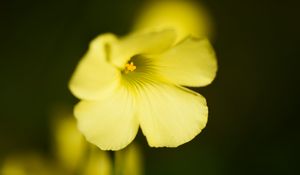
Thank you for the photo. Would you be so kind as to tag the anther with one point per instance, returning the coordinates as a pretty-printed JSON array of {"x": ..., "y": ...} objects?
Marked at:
[{"x": 129, "y": 67}]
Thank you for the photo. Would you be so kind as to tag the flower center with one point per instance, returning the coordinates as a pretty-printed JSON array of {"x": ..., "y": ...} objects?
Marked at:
[{"x": 129, "y": 67}]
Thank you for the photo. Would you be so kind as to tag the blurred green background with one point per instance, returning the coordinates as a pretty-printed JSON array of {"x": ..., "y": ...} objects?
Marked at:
[{"x": 253, "y": 122}]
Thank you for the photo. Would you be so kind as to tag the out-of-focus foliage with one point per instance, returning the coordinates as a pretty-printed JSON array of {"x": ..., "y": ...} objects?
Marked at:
[
  {"x": 97, "y": 163},
  {"x": 72, "y": 154},
  {"x": 28, "y": 164},
  {"x": 129, "y": 161},
  {"x": 69, "y": 146}
]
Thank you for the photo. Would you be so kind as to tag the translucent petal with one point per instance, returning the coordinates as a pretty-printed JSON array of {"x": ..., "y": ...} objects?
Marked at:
[
  {"x": 190, "y": 63},
  {"x": 110, "y": 123},
  {"x": 142, "y": 43},
  {"x": 186, "y": 17},
  {"x": 170, "y": 116},
  {"x": 94, "y": 77}
]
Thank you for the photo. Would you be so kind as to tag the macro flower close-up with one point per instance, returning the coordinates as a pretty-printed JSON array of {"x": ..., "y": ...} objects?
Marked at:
[
  {"x": 149, "y": 87},
  {"x": 139, "y": 80}
]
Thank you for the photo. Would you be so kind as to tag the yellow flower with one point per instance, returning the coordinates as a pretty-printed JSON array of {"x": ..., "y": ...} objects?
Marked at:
[
  {"x": 186, "y": 17},
  {"x": 138, "y": 80},
  {"x": 73, "y": 154}
]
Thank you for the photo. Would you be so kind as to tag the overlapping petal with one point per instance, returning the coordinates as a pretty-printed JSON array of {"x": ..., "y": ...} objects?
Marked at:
[
  {"x": 115, "y": 101},
  {"x": 170, "y": 116},
  {"x": 190, "y": 63},
  {"x": 110, "y": 123},
  {"x": 94, "y": 77},
  {"x": 141, "y": 43}
]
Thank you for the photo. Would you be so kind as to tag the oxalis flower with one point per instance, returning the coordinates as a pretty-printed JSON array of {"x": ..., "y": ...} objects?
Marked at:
[
  {"x": 187, "y": 17},
  {"x": 139, "y": 80}
]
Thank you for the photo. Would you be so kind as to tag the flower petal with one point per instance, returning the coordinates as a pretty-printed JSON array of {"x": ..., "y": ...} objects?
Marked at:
[
  {"x": 170, "y": 116},
  {"x": 190, "y": 63},
  {"x": 142, "y": 43},
  {"x": 186, "y": 17},
  {"x": 109, "y": 123},
  {"x": 94, "y": 77}
]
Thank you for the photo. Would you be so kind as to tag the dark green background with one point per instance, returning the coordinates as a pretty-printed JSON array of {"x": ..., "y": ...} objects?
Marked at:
[{"x": 253, "y": 124}]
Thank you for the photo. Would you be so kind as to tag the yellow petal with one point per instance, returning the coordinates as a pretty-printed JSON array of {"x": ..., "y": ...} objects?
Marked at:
[
  {"x": 138, "y": 43},
  {"x": 170, "y": 116},
  {"x": 185, "y": 17},
  {"x": 190, "y": 63},
  {"x": 94, "y": 77},
  {"x": 109, "y": 123}
]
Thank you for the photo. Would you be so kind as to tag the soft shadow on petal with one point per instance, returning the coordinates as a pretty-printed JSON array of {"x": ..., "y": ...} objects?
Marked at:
[
  {"x": 110, "y": 123},
  {"x": 142, "y": 43},
  {"x": 190, "y": 63},
  {"x": 170, "y": 116},
  {"x": 94, "y": 77}
]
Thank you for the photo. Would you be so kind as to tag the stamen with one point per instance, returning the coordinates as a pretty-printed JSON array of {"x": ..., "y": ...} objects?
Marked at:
[{"x": 129, "y": 67}]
